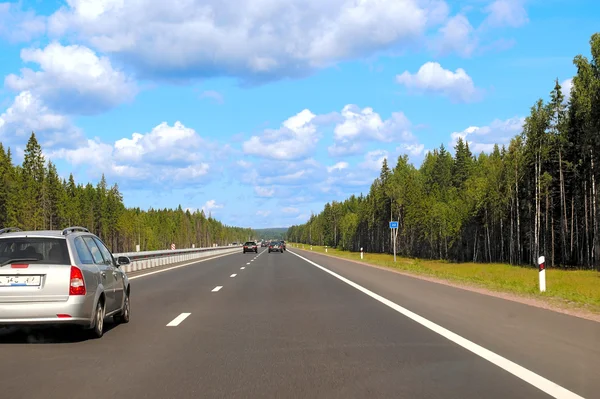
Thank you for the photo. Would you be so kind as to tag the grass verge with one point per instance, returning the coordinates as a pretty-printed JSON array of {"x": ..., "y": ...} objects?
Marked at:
[{"x": 571, "y": 289}]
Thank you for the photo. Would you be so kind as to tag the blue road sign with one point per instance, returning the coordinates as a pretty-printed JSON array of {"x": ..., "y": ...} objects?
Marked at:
[{"x": 393, "y": 225}]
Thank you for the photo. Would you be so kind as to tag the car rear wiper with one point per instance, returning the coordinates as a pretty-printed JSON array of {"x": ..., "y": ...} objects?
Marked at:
[{"x": 17, "y": 260}]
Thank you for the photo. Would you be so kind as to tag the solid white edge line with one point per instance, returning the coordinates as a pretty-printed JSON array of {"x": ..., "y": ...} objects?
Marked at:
[
  {"x": 233, "y": 275},
  {"x": 217, "y": 288},
  {"x": 177, "y": 321},
  {"x": 521, "y": 372},
  {"x": 178, "y": 266}
]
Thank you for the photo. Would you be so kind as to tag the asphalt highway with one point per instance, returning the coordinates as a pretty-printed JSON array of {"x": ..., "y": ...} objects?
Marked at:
[{"x": 307, "y": 326}]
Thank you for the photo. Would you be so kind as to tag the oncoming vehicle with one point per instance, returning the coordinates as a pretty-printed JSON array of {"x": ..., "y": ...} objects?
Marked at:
[
  {"x": 250, "y": 246},
  {"x": 56, "y": 277},
  {"x": 275, "y": 246}
]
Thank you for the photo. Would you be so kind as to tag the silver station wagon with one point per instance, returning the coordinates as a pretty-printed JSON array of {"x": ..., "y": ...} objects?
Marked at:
[{"x": 64, "y": 277}]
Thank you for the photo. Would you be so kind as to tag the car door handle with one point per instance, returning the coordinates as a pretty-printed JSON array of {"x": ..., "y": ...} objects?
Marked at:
[{"x": 103, "y": 274}]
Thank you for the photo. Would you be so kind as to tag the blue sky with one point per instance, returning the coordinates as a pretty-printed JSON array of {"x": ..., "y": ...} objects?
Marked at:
[{"x": 261, "y": 111}]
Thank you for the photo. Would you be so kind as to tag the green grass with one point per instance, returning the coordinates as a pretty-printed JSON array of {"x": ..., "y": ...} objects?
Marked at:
[{"x": 580, "y": 289}]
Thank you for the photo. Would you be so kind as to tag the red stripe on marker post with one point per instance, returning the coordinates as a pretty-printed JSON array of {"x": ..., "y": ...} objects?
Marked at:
[{"x": 542, "y": 273}]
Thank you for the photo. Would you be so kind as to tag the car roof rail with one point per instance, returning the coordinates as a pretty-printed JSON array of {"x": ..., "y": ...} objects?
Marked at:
[
  {"x": 74, "y": 229},
  {"x": 9, "y": 230}
]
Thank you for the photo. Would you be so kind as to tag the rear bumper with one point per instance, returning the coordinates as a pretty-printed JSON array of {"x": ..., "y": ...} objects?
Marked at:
[{"x": 43, "y": 313}]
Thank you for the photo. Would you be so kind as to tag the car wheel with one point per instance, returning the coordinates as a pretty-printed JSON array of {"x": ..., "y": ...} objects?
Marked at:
[
  {"x": 123, "y": 317},
  {"x": 98, "y": 329}
]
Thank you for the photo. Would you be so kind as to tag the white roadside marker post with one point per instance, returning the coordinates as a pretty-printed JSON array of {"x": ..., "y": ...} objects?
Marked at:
[
  {"x": 542, "y": 273},
  {"x": 325, "y": 248},
  {"x": 361, "y": 253}
]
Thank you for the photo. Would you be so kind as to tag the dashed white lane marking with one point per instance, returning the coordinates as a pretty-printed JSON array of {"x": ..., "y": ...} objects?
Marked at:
[
  {"x": 177, "y": 321},
  {"x": 248, "y": 263},
  {"x": 242, "y": 268},
  {"x": 543, "y": 384},
  {"x": 217, "y": 288},
  {"x": 233, "y": 275}
]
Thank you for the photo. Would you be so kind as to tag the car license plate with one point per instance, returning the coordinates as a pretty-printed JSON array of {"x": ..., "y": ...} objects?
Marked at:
[{"x": 20, "y": 281}]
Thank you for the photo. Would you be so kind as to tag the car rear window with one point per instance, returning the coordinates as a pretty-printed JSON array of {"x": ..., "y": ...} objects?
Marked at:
[
  {"x": 249, "y": 243},
  {"x": 34, "y": 250}
]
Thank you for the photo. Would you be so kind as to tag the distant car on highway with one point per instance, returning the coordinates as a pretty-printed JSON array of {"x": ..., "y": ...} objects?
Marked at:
[
  {"x": 61, "y": 277},
  {"x": 263, "y": 244},
  {"x": 250, "y": 246},
  {"x": 275, "y": 246}
]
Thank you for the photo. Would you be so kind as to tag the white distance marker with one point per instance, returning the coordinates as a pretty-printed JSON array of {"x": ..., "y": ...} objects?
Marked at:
[
  {"x": 177, "y": 321},
  {"x": 217, "y": 288}
]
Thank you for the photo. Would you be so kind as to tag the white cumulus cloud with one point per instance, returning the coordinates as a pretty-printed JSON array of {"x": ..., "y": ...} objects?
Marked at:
[
  {"x": 73, "y": 79},
  {"x": 482, "y": 139},
  {"x": 456, "y": 36},
  {"x": 294, "y": 140},
  {"x": 566, "y": 87},
  {"x": 28, "y": 114},
  {"x": 166, "y": 157},
  {"x": 210, "y": 206},
  {"x": 255, "y": 41},
  {"x": 374, "y": 159},
  {"x": 432, "y": 78},
  {"x": 358, "y": 126},
  {"x": 338, "y": 166}
]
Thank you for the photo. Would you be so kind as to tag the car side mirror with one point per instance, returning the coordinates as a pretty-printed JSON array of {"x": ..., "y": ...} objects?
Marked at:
[{"x": 123, "y": 261}]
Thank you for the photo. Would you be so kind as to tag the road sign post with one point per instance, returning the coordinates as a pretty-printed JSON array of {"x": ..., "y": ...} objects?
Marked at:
[
  {"x": 542, "y": 273},
  {"x": 172, "y": 247},
  {"x": 394, "y": 227}
]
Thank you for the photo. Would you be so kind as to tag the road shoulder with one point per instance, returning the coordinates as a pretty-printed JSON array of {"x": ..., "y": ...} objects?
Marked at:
[{"x": 548, "y": 304}]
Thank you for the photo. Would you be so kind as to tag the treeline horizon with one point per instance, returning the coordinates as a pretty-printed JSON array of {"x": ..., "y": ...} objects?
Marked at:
[
  {"x": 538, "y": 196},
  {"x": 34, "y": 197}
]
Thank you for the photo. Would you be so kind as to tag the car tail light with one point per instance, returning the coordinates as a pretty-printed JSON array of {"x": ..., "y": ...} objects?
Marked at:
[{"x": 77, "y": 286}]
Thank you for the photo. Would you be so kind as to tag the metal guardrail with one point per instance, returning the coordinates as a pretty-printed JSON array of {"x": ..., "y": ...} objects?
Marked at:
[
  {"x": 150, "y": 259},
  {"x": 168, "y": 252}
]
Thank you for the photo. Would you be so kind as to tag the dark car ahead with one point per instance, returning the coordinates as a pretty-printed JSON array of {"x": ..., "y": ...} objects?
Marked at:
[
  {"x": 250, "y": 246},
  {"x": 275, "y": 246}
]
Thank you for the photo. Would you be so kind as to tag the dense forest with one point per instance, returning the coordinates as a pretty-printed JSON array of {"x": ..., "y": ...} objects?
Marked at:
[
  {"x": 34, "y": 197},
  {"x": 538, "y": 196},
  {"x": 275, "y": 233}
]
